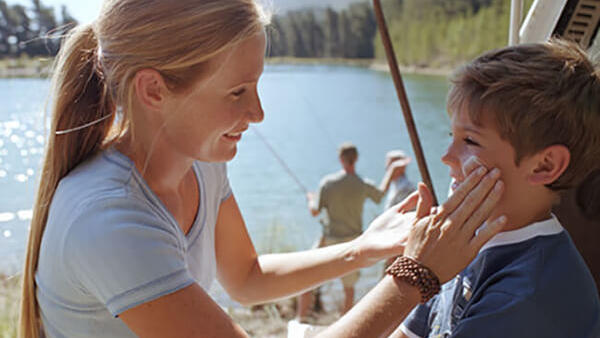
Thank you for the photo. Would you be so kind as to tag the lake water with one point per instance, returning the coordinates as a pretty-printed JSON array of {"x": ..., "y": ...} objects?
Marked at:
[{"x": 309, "y": 111}]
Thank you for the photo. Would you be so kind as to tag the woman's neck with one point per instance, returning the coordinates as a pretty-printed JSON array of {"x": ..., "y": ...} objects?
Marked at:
[{"x": 163, "y": 168}]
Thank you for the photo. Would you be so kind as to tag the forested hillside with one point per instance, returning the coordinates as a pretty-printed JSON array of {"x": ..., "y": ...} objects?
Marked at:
[
  {"x": 24, "y": 30},
  {"x": 432, "y": 33},
  {"x": 347, "y": 33},
  {"x": 285, "y": 5},
  {"x": 445, "y": 32}
]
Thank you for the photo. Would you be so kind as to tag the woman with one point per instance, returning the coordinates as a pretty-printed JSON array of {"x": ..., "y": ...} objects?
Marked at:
[{"x": 134, "y": 216}]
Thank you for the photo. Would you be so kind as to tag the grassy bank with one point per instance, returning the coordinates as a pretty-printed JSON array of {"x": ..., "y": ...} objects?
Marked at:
[
  {"x": 319, "y": 61},
  {"x": 9, "y": 305},
  {"x": 25, "y": 67},
  {"x": 375, "y": 64}
]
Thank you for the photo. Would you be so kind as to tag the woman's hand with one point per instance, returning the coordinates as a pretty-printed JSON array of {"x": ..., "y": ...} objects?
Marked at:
[
  {"x": 387, "y": 234},
  {"x": 446, "y": 239}
]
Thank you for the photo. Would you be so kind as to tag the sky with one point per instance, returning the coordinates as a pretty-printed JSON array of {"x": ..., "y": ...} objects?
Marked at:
[
  {"x": 83, "y": 10},
  {"x": 87, "y": 10}
]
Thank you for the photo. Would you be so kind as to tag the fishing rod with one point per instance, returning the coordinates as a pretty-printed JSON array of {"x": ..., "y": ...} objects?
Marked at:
[
  {"x": 319, "y": 122},
  {"x": 401, "y": 91},
  {"x": 279, "y": 159}
]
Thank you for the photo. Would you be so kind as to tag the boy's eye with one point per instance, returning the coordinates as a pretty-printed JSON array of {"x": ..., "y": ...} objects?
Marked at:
[{"x": 470, "y": 142}]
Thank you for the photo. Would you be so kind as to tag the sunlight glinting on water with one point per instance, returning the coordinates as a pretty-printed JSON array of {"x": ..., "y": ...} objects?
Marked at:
[
  {"x": 22, "y": 215},
  {"x": 6, "y": 217},
  {"x": 22, "y": 138},
  {"x": 21, "y": 178}
]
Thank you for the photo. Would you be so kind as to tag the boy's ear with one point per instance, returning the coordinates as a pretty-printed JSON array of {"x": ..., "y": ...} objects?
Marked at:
[
  {"x": 549, "y": 164},
  {"x": 150, "y": 89}
]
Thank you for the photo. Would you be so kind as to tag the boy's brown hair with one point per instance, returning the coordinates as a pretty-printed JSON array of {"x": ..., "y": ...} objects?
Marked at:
[{"x": 537, "y": 95}]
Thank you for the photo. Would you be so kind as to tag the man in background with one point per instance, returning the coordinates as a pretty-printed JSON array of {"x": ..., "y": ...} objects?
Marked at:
[
  {"x": 400, "y": 187},
  {"x": 342, "y": 195}
]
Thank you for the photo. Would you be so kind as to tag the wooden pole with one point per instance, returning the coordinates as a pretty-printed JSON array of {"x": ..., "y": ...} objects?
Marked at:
[{"x": 401, "y": 91}]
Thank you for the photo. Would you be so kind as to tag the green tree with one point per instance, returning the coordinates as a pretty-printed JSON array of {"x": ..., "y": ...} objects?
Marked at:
[
  {"x": 278, "y": 44},
  {"x": 16, "y": 29},
  {"x": 44, "y": 23},
  {"x": 445, "y": 33},
  {"x": 333, "y": 44}
]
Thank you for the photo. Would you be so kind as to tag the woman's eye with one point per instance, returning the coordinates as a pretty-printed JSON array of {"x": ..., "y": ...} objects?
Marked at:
[{"x": 239, "y": 93}]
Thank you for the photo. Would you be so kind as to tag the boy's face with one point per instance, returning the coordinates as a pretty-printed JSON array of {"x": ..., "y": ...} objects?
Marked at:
[{"x": 484, "y": 142}]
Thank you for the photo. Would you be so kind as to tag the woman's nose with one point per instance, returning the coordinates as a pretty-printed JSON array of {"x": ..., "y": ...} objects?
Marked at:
[{"x": 255, "y": 112}]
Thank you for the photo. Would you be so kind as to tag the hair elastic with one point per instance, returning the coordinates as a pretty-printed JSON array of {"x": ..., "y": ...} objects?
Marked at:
[{"x": 66, "y": 131}]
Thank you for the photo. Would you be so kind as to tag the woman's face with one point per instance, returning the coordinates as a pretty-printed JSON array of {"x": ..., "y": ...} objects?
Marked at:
[{"x": 207, "y": 121}]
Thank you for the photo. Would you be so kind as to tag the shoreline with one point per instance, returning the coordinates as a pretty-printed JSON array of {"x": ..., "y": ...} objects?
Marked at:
[
  {"x": 41, "y": 67},
  {"x": 380, "y": 66},
  {"x": 25, "y": 67},
  {"x": 373, "y": 64}
]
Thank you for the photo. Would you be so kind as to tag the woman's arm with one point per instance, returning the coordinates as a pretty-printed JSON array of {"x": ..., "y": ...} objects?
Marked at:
[
  {"x": 251, "y": 279},
  {"x": 378, "y": 313},
  {"x": 189, "y": 312}
]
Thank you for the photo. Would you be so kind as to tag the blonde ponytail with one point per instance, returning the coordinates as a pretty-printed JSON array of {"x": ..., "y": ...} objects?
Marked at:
[{"x": 79, "y": 96}]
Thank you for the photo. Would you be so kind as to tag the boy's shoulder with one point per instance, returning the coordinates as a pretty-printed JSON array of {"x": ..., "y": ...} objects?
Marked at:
[
  {"x": 530, "y": 282},
  {"x": 532, "y": 262},
  {"x": 538, "y": 273}
]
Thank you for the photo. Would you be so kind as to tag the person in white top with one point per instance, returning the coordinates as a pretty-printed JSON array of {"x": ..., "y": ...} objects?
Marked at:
[{"x": 401, "y": 187}]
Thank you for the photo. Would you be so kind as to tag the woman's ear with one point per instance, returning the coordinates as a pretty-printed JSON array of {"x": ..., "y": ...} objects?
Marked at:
[
  {"x": 549, "y": 164},
  {"x": 150, "y": 89}
]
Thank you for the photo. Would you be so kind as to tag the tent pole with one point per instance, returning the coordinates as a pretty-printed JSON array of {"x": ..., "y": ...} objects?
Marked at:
[{"x": 401, "y": 91}]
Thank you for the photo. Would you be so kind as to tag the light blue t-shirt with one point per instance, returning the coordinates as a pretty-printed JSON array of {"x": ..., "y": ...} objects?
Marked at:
[{"x": 110, "y": 245}]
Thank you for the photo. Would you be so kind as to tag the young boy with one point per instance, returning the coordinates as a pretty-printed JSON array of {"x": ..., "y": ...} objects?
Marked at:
[{"x": 532, "y": 111}]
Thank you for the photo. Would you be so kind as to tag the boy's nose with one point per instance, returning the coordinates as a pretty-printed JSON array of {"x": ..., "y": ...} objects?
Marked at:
[
  {"x": 449, "y": 158},
  {"x": 454, "y": 158}
]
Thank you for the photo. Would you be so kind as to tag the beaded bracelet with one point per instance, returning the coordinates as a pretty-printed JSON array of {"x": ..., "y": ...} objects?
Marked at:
[{"x": 415, "y": 274}]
